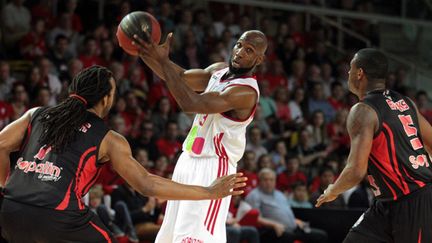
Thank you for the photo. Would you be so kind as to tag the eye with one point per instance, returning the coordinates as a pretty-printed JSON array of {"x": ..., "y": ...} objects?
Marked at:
[
  {"x": 249, "y": 50},
  {"x": 238, "y": 44}
]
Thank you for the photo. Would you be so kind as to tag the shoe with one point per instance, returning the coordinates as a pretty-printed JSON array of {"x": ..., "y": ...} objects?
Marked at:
[
  {"x": 133, "y": 237},
  {"x": 117, "y": 232}
]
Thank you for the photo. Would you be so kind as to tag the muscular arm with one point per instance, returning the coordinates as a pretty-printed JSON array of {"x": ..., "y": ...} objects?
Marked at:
[
  {"x": 11, "y": 138},
  {"x": 115, "y": 148},
  {"x": 425, "y": 130},
  {"x": 362, "y": 123},
  {"x": 233, "y": 98},
  {"x": 196, "y": 79}
]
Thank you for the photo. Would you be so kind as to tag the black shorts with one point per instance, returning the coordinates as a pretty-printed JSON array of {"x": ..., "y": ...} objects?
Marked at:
[
  {"x": 22, "y": 223},
  {"x": 407, "y": 220}
]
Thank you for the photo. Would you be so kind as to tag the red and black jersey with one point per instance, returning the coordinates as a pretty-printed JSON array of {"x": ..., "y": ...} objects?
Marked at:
[
  {"x": 56, "y": 180},
  {"x": 398, "y": 162}
]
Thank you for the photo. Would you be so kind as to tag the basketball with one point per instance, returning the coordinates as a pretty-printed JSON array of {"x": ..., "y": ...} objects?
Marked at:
[{"x": 137, "y": 23}]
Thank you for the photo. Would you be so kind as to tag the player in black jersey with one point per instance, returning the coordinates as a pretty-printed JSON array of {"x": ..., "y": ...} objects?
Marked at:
[
  {"x": 391, "y": 143},
  {"x": 61, "y": 150}
]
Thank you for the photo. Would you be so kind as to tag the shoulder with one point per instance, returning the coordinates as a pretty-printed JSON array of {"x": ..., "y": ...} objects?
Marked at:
[
  {"x": 216, "y": 67},
  {"x": 362, "y": 116}
]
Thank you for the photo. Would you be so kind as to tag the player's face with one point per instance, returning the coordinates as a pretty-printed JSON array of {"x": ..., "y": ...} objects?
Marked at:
[
  {"x": 245, "y": 55},
  {"x": 353, "y": 76}
]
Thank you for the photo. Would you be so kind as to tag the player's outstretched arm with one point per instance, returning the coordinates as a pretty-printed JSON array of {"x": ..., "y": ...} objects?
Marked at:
[
  {"x": 11, "y": 138},
  {"x": 115, "y": 148},
  {"x": 362, "y": 123},
  {"x": 196, "y": 79},
  {"x": 233, "y": 98}
]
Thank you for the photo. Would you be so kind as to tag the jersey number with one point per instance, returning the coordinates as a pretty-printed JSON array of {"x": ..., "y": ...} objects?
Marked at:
[{"x": 410, "y": 131}]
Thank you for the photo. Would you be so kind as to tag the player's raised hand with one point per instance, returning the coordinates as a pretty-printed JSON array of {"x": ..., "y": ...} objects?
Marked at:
[
  {"x": 151, "y": 49},
  {"x": 327, "y": 196},
  {"x": 227, "y": 185}
]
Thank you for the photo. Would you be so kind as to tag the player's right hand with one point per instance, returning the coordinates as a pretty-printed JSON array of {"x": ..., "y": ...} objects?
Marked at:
[{"x": 227, "y": 185}]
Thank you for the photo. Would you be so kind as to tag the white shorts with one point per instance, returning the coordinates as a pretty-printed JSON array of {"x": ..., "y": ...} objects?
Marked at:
[{"x": 197, "y": 221}]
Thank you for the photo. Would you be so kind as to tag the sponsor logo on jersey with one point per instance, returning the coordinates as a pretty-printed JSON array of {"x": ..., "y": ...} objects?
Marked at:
[{"x": 46, "y": 171}]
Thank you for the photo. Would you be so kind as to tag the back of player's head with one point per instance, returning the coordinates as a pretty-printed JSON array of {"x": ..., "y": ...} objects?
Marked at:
[
  {"x": 373, "y": 62},
  {"x": 63, "y": 121}
]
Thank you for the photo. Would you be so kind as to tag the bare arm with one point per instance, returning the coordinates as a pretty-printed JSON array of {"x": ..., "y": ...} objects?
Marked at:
[
  {"x": 11, "y": 138},
  {"x": 362, "y": 123},
  {"x": 426, "y": 133},
  {"x": 196, "y": 79},
  {"x": 115, "y": 148}
]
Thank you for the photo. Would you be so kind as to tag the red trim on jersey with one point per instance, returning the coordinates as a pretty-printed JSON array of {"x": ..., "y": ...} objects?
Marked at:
[
  {"x": 103, "y": 232},
  {"x": 252, "y": 111},
  {"x": 214, "y": 207},
  {"x": 405, "y": 188},
  {"x": 29, "y": 128},
  {"x": 65, "y": 202},
  {"x": 391, "y": 189},
  {"x": 87, "y": 175},
  {"x": 419, "y": 236},
  {"x": 385, "y": 171},
  {"x": 243, "y": 77},
  {"x": 419, "y": 183},
  {"x": 381, "y": 153},
  {"x": 78, "y": 176}
]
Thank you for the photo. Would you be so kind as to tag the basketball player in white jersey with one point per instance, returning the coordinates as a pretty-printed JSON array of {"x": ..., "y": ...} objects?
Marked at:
[{"x": 224, "y": 106}]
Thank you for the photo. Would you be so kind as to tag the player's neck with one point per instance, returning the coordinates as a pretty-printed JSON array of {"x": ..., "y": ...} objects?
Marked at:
[{"x": 370, "y": 88}]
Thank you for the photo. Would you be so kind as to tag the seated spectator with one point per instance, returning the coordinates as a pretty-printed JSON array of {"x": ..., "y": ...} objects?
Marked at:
[
  {"x": 300, "y": 196},
  {"x": 266, "y": 100},
  {"x": 279, "y": 156},
  {"x": 162, "y": 114},
  {"x": 317, "y": 101},
  {"x": 15, "y": 22},
  {"x": 337, "y": 97},
  {"x": 277, "y": 218},
  {"x": 144, "y": 211},
  {"x": 6, "y": 80},
  {"x": 317, "y": 129},
  {"x": 60, "y": 55},
  {"x": 43, "y": 97},
  {"x": 423, "y": 105},
  {"x": 264, "y": 161},
  {"x": 89, "y": 56},
  {"x": 296, "y": 106},
  {"x": 239, "y": 220},
  {"x": 249, "y": 168},
  {"x": 49, "y": 80},
  {"x": 33, "y": 44},
  {"x": 5, "y": 114},
  {"x": 290, "y": 175},
  {"x": 141, "y": 155},
  {"x": 168, "y": 145},
  {"x": 20, "y": 100},
  {"x": 338, "y": 133},
  {"x": 146, "y": 140},
  {"x": 118, "y": 220},
  {"x": 327, "y": 177},
  {"x": 161, "y": 167},
  {"x": 254, "y": 143}
]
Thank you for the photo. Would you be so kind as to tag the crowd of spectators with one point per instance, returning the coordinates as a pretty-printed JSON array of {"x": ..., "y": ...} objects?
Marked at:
[{"x": 298, "y": 140}]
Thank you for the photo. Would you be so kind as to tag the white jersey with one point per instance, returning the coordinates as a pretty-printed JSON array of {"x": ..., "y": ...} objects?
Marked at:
[{"x": 218, "y": 135}]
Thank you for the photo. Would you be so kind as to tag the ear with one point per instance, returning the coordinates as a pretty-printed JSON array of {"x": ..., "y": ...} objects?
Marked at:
[
  {"x": 260, "y": 59},
  {"x": 360, "y": 74}
]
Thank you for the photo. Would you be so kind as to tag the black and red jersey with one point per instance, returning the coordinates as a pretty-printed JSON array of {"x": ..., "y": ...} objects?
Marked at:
[
  {"x": 398, "y": 162},
  {"x": 45, "y": 178}
]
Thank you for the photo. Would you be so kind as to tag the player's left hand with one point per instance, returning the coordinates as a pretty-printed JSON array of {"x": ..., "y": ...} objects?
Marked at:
[
  {"x": 327, "y": 196},
  {"x": 153, "y": 50}
]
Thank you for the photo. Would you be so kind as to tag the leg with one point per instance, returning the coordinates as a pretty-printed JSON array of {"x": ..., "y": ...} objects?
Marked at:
[
  {"x": 147, "y": 231},
  {"x": 269, "y": 236},
  {"x": 250, "y": 234},
  {"x": 124, "y": 220},
  {"x": 314, "y": 236},
  {"x": 233, "y": 234}
]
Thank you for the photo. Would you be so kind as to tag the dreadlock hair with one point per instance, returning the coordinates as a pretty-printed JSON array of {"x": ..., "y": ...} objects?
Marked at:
[{"x": 62, "y": 122}]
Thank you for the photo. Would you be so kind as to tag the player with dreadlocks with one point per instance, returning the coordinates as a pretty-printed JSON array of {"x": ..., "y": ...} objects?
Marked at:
[{"x": 61, "y": 151}]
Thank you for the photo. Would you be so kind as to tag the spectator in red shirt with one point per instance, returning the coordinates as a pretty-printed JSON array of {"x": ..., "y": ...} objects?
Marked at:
[
  {"x": 276, "y": 76},
  {"x": 5, "y": 114},
  {"x": 291, "y": 175},
  {"x": 70, "y": 7},
  {"x": 168, "y": 145},
  {"x": 90, "y": 56},
  {"x": 423, "y": 105},
  {"x": 338, "y": 132},
  {"x": 249, "y": 169},
  {"x": 336, "y": 99},
  {"x": 33, "y": 44}
]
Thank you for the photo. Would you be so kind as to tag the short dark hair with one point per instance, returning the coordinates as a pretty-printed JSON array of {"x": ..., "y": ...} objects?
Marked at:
[{"x": 373, "y": 62}]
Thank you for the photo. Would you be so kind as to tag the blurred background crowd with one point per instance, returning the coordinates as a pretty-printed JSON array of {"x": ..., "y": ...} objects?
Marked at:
[{"x": 297, "y": 144}]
